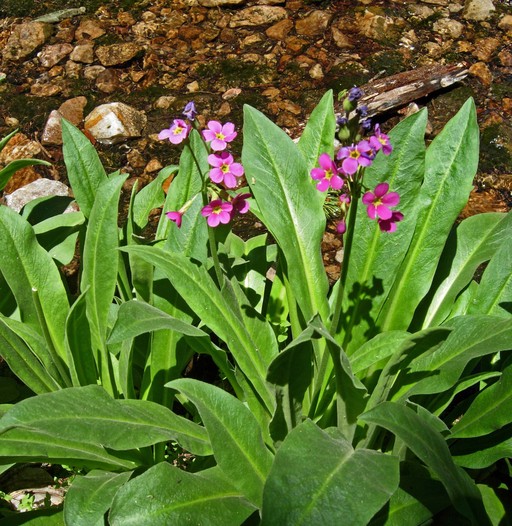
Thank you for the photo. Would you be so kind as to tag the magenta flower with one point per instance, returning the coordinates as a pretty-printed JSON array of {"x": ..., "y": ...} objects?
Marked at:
[
  {"x": 219, "y": 135},
  {"x": 240, "y": 203},
  {"x": 341, "y": 227},
  {"x": 389, "y": 225},
  {"x": 327, "y": 174},
  {"x": 379, "y": 201},
  {"x": 217, "y": 211},
  {"x": 177, "y": 133},
  {"x": 176, "y": 217},
  {"x": 353, "y": 157},
  {"x": 224, "y": 169},
  {"x": 344, "y": 199},
  {"x": 380, "y": 141}
]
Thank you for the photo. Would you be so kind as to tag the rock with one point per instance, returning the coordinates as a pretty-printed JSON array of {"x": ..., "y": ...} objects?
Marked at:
[
  {"x": 505, "y": 24},
  {"x": 45, "y": 89},
  {"x": 258, "y": 16},
  {"x": 313, "y": 24},
  {"x": 154, "y": 165},
  {"x": 39, "y": 188},
  {"x": 83, "y": 53},
  {"x": 25, "y": 39},
  {"x": 280, "y": 30},
  {"x": 505, "y": 58},
  {"x": 316, "y": 72},
  {"x": 478, "y": 9},
  {"x": 340, "y": 39},
  {"x": 53, "y": 54},
  {"x": 115, "y": 122},
  {"x": 376, "y": 27},
  {"x": 116, "y": 54},
  {"x": 108, "y": 81},
  {"x": 220, "y": 3},
  {"x": 89, "y": 29},
  {"x": 486, "y": 48},
  {"x": 165, "y": 102},
  {"x": 92, "y": 72},
  {"x": 482, "y": 73},
  {"x": 19, "y": 147},
  {"x": 72, "y": 110},
  {"x": 448, "y": 27}
]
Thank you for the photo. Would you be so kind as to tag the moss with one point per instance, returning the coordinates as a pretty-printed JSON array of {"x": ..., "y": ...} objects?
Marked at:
[
  {"x": 390, "y": 62},
  {"x": 502, "y": 90},
  {"x": 233, "y": 72},
  {"x": 494, "y": 155},
  {"x": 345, "y": 76}
]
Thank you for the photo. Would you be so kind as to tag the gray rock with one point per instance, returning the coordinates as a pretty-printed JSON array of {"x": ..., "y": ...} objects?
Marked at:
[
  {"x": 258, "y": 16},
  {"x": 38, "y": 188},
  {"x": 52, "y": 55},
  {"x": 478, "y": 9},
  {"x": 25, "y": 39},
  {"x": 116, "y": 54},
  {"x": 115, "y": 122}
]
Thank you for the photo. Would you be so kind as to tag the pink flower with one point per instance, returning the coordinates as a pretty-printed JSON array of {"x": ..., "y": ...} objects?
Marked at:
[
  {"x": 344, "y": 199},
  {"x": 353, "y": 157},
  {"x": 380, "y": 141},
  {"x": 389, "y": 225},
  {"x": 225, "y": 170},
  {"x": 379, "y": 201},
  {"x": 176, "y": 217},
  {"x": 341, "y": 227},
  {"x": 240, "y": 203},
  {"x": 327, "y": 174},
  {"x": 177, "y": 133},
  {"x": 217, "y": 211},
  {"x": 219, "y": 135}
]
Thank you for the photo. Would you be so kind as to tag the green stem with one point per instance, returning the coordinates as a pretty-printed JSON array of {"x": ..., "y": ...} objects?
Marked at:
[{"x": 211, "y": 234}]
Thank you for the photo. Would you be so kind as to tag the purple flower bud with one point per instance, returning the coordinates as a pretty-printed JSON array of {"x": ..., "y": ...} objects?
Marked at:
[
  {"x": 366, "y": 124},
  {"x": 362, "y": 110},
  {"x": 341, "y": 121},
  {"x": 190, "y": 111},
  {"x": 355, "y": 94}
]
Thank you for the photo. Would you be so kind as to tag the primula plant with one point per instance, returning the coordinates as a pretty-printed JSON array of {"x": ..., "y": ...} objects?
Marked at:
[{"x": 383, "y": 398}]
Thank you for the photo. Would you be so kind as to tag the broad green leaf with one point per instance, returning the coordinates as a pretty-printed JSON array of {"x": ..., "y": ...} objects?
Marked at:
[
  {"x": 23, "y": 363},
  {"x": 318, "y": 135},
  {"x": 89, "y": 415},
  {"x": 8, "y": 171},
  {"x": 43, "y": 517},
  {"x": 235, "y": 436},
  {"x": 136, "y": 317},
  {"x": 84, "y": 168},
  {"x": 494, "y": 294},
  {"x": 471, "y": 337},
  {"x": 483, "y": 451},
  {"x": 90, "y": 497},
  {"x": 318, "y": 478},
  {"x": 497, "y": 504},
  {"x": 375, "y": 257},
  {"x": 166, "y": 495},
  {"x": 474, "y": 241},
  {"x": 33, "y": 278},
  {"x": 7, "y": 138},
  {"x": 489, "y": 411},
  {"x": 82, "y": 365},
  {"x": 199, "y": 291},
  {"x": 151, "y": 196},
  {"x": 290, "y": 206},
  {"x": 450, "y": 165},
  {"x": 430, "y": 447}
]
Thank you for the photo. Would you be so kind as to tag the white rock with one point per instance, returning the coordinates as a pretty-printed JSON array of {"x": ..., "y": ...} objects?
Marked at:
[
  {"x": 38, "y": 188},
  {"x": 115, "y": 122},
  {"x": 478, "y": 9}
]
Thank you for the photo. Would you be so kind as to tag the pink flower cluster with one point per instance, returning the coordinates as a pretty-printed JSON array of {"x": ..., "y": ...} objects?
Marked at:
[
  {"x": 347, "y": 170},
  {"x": 224, "y": 170}
]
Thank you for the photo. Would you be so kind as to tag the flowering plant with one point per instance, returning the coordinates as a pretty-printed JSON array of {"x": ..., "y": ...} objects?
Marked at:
[{"x": 379, "y": 399}]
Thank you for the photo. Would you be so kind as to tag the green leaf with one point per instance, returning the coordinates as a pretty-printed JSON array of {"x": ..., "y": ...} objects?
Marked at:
[
  {"x": 494, "y": 294},
  {"x": 489, "y": 411},
  {"x": 375, "y": 257},
  {"x": 151, "y": 196},
  {"x": 483, "y": 451},
  {"x": 90, "y": 497},
  {"x": 318, "y": 135},
  {"x": 135, "y": 318},
  {"x": 165, "y": 495},
  {"x": 497, "y": 504},
  {"x": 198, "y": 289},
  {"x": 49, "y": 517},
  {"x": 471, "y": 337},
  {"x": 8, "y": 171},
  {"x": 474, "y": 241},
  {"x": 90, "y": 416},
  {"x": 289, "y": 205},
  {"x": 430, "y": 447},
  {"x": 318, "y": 478},
  {"x": 235, "y": 435},
  {"x": 450, "y": 165},
  {"x": 30, "y": 271},
  {"x": 84, "y": 168}
]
